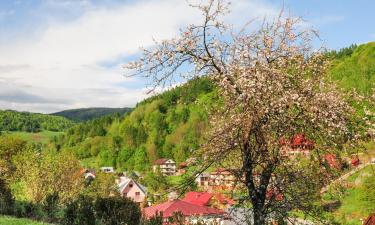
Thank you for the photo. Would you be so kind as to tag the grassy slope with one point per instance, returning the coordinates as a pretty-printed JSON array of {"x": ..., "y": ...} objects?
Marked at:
[
  {"x": 6, "y": 220},
  {"x": 40, "y": 137},
  {"x": 356, "y": 70},
  {"x": 352, "y": 208}
]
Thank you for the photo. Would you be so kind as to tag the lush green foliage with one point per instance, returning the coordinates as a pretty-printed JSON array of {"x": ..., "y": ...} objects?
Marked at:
[
  {"x": 167, "y": 125},
  {"x": 109, "y": 210},
  {"x": 86, "y": 114},
  {"x": 354, "y": 67},
  {"x": 31, "y": 122}
]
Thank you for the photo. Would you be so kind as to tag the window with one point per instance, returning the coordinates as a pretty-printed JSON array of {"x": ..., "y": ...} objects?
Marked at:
[
  {"x": 137, "y": 193},
  {"x": 130, "y": 185}
]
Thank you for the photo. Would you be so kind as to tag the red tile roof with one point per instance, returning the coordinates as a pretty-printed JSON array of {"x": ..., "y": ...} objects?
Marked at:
[
  {"x": 332, "y": 161},
  {"x": 203, "y": 198},
  {"x": 185, "y": 208},
  {"x": 198, "y": 198},
  {"x": 300, "y": 140},
  {"x": 160, "y": 161},
  {"x": 370, "y": 220}
]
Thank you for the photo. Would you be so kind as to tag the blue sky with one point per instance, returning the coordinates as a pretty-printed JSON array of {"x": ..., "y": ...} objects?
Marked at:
[{"x": 60, "y": 54}]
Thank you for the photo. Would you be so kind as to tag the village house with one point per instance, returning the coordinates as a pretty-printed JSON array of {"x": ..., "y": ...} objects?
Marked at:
[
  {"x": 297, "y": 145},
  {"x": 89, "y": 174},
  {"x": 332, "y": 161},
  {"x": 132, "y": 189},
  {"x": 222, "y": 179},
  {"x": 203, "y": 180},
  {"x": 107, "y": 169},
  {"x": 191, "y": 213},
  {"x": 166, "y": 166}
]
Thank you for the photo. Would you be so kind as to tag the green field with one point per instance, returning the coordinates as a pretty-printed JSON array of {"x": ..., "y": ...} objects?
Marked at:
[
  {"x": 39, "y": 137},
  {"x": 352, "y": 207},
  {"x": 6, "y": 220}
]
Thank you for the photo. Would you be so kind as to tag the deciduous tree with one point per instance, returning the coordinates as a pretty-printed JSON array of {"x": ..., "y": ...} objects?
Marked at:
[{"x": 273, "y": 85}]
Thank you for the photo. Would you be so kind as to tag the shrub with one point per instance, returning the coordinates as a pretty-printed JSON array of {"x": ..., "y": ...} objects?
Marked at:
[
  {"x": 117, "y": 210},
  {"x": 80, "y": 211}
]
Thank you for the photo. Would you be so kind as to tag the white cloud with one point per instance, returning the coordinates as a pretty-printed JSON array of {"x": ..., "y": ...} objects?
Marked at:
[{"x": 63, "y": 61}]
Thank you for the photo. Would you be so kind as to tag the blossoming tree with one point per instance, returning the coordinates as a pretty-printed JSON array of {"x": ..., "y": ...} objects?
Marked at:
[{"x": 273, "y": 86}]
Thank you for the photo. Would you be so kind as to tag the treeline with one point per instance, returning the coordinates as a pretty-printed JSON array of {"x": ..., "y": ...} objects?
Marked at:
[
  {"x": 170, "y": 125},
  {"x": 49, "y": 185},
  {"x": 79, "y": 115},
  {"x": 31, "y": 122}
]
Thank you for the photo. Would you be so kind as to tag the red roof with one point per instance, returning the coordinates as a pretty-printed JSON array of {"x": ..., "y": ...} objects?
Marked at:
[
  {"x": 198, "y": 198},
  {"x": 355, "y": 162},
  {"x": 370, "y": 220},
  {"x": 300, "y": 140},
  {"x": 186, "y": 208},
  {"x": 220, "y": 171},
  {"x": 160, "y": 161},
  {"x": 203, "y": 198},
  {"x": 332, "y": 161}
]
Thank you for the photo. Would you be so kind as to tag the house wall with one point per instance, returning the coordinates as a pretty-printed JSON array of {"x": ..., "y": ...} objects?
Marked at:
[{"x": 130, "y": 192}]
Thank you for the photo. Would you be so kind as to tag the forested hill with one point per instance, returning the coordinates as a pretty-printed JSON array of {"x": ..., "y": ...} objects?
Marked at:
[
  {"x": 172, "y": 124},
  {"x": 168, "y": 125},
  {"x": 354, "y": 67},
  {"x": 32, "y": 122},
  {"x": 86, "y": 114}
]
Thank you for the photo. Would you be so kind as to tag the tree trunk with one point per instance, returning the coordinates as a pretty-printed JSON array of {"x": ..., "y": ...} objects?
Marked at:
[{"x": 259, "y": 217}]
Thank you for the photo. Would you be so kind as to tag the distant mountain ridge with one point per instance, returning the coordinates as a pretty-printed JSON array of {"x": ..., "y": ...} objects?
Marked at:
[{"x": 85, "y": 114}]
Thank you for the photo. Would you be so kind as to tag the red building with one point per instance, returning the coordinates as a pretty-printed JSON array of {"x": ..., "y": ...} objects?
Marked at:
[
  {"x": 297, "y": 145},
  {"x": 332, "y": 161}
]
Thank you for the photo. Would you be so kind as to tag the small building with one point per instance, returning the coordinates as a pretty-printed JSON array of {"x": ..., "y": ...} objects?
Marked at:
[
  {"x": 90, "y": 174},
  {"x": 332, "y": 161},
  {"x": 297, "y": 145},
  {"x": 166, "y": 166},
  {"x": 355, "y": 162},
  {"x": 132, "y": 189},
  {"x": 203, "y": 180},
  {"x": 222, "y": 179},
  {"x": 191, "y": 213},
  {"x": 107, "y": 169}
]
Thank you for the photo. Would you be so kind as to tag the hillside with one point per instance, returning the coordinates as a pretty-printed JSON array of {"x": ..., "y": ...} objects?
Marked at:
[
  {"x": 86, "y": 114},
  {"x": 172, "y": 124},
  {"x": 354, "y": 67},
  {"x": 32, "y": 122},
  {"x": 168, "y": 125}
]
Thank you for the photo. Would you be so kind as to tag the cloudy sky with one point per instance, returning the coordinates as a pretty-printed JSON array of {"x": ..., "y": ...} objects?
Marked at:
[{"x": 63, "y": 54}]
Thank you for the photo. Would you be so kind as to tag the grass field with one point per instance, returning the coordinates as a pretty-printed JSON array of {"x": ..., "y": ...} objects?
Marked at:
[
  {"x": 40, "y": 137},
  {"x": 6, "y": 220},
  {"x": 353, "y": 208}
]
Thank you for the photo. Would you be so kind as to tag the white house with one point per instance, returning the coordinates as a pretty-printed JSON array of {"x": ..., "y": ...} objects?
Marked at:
[{"x": 166, "y": 166}]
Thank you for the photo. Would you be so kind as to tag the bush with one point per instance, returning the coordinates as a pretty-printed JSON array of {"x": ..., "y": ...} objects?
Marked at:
[
  {"x": 6, "y": 199},
  {"x": 29, "y": 210},
  {"x": 117, "y": 210},
  {"x": 105, "y": 211},
  {"x": 80, "y": 211}
]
